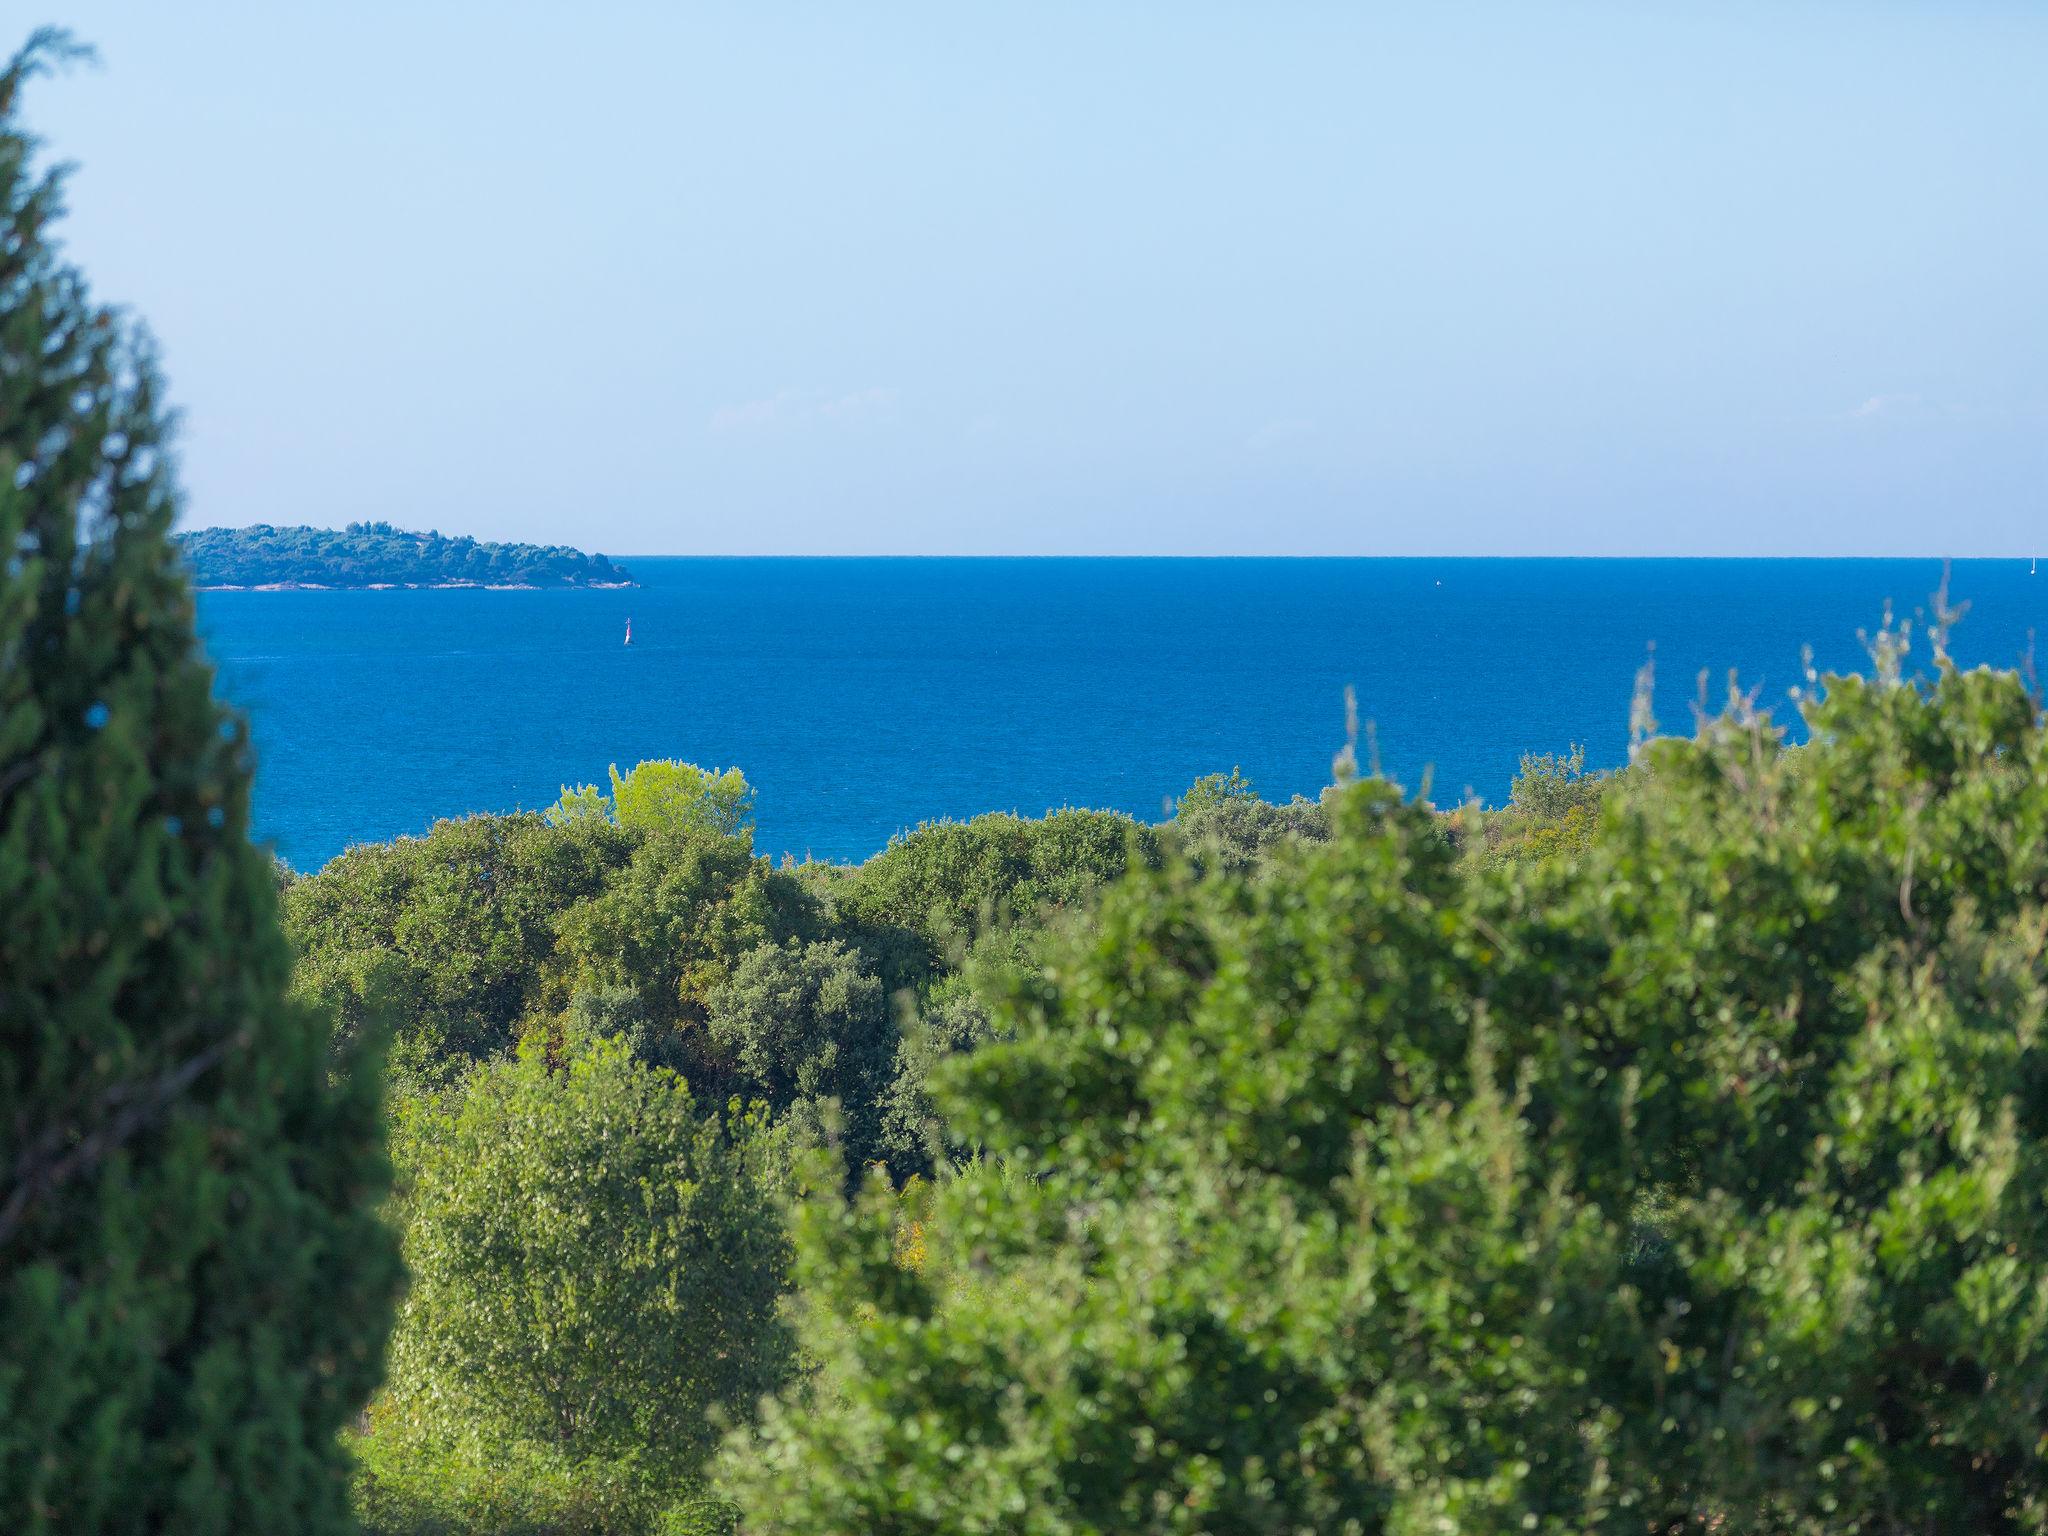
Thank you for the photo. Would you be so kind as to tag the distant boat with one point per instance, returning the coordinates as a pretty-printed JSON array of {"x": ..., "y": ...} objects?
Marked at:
[{"x": 629, "y": 631}]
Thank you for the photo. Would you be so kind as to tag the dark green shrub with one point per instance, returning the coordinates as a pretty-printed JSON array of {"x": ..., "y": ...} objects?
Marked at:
[
  {"x": 933, "y": 890},
  {"x": 952, "y": 1021},
  {"x": 799, "y": 1024},
  {"x": 456, "y": 930},
  {"x": 673, "y": 923},
  {"x": 486, "y": 929}
]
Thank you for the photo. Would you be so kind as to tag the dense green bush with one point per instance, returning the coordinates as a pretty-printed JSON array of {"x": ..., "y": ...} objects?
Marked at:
[
  {"x": 952, "y": 1021},
  {"x": 597, "y": 1270},
  {"x": 453, "y": 934},
  {"x": 805, "y": 1023},
  {"x": 194, "y": 1286},
  {"x": 1694, "y": 1182},
  {"x": 1221, "y": 823},
  {"x": 462, "y": 1486},
  {"x": 674, "y": 922},
  {"x": 1552, "y": 812},
  {"x": 916, "y": 903},
  {"x": 487, "y": 928},
  {"x": 658, "y": 927}
]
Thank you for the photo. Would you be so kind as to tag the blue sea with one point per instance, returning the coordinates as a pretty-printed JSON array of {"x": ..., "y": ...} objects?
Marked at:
[{"x": 864, "y": 696}]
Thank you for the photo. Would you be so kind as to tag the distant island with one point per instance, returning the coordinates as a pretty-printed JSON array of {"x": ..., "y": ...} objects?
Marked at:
[{"x": 377, "y": 555}]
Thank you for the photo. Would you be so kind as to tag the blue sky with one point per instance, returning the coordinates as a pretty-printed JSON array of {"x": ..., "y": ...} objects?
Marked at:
[{"x": 1448, "y": 278}]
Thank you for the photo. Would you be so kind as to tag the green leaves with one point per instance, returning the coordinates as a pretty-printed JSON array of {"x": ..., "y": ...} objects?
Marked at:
[
  {"x": 803, "y": 1023},
  {"x": 194, "y": 1284},
  {"x": 1692, "y": 1178},
  {"x": 596, "y": 1266},
  {"x": 663, "y": 795},
  {"x": 666, "y": 795}
]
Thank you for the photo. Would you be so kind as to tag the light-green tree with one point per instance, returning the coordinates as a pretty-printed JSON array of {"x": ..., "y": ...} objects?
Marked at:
[
  {"x": 1552, "y": 812},
  {"x": 664, "y": 795},
  {"x": 1214, "y": 789},
  {"x": 194, "y": 1285},
  {"x": 597, "y": 1271}
]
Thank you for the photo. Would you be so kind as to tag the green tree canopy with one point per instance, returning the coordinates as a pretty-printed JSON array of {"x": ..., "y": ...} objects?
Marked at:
[
  {"x": 377, "y": 554},
  {"x": 597, "y": 1267},
  {"x": 453, "y": 935},
  {"x": 1693, "y": 1182},
  {"x": 194, "y": 1285},
  {"x": 665, "y": 795},
  {"x": 805, "y": 1023},
  {"x": 672, "y": 925},
  {"x": 933, "y": 890}
]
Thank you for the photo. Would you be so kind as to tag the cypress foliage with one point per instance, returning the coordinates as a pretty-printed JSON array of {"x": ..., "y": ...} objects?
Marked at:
[{"x": 194, "y": 1286}]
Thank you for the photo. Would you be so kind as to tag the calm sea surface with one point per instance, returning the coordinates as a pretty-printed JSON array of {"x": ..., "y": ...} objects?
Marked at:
[{"x": 864, "y": 696}]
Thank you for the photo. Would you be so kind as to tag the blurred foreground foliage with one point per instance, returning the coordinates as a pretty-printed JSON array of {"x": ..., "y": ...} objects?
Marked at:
[
  {"x": 194, "y": 1285},
  {"x": 1694, "y": 1181}
]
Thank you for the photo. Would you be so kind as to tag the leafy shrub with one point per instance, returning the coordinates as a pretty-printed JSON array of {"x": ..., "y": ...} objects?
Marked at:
[
  {"x": 1221, "y": 823},
  {"x": 423, "y": 1486},
  {"x": 804, "y": 1023},
  {"x": 596, "y": 1267},
  {"x": 952, "y": 1022},
  {"x": 486, "y": 928},
  {"x": 1693, "y": 1182},
  {"x": 671, "y": 926},
  {"x": 932, "y": 890},
  {"x": 456, "y": 931},
  {"x": 1552, "y": 811}
]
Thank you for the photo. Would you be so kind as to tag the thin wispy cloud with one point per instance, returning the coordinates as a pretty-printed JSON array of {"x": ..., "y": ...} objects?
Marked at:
[
  {"x": 1884, "y": 405},
  {"x": 1274, "y": 433},
  {"x": 753, "y": 414},
  {"x": 795, "y": 408},
  {"x": 861, "y": 405}
]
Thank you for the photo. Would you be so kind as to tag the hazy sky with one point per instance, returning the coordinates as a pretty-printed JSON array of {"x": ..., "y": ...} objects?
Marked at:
[{"x": 1629, "y": 278}]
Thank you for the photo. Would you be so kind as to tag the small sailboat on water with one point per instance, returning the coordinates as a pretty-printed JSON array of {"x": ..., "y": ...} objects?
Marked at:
[{"x": 629, "y": 631}]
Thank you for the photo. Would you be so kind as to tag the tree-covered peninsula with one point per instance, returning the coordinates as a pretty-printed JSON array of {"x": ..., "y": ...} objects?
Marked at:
[{"x": 379, "y": 555}]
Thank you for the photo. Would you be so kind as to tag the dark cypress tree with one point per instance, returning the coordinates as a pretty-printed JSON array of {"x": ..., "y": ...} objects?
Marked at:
[{"x": 194, "y": 1286}]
